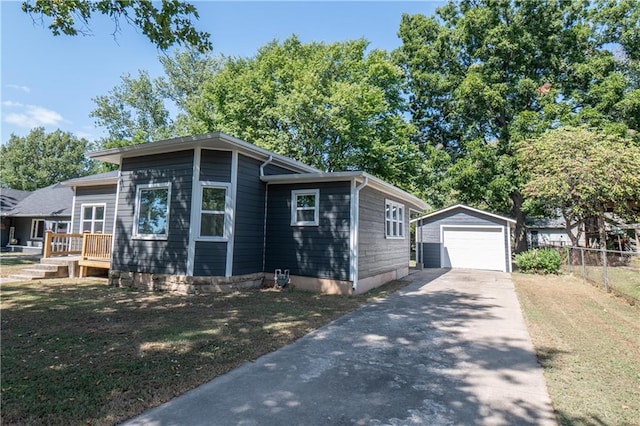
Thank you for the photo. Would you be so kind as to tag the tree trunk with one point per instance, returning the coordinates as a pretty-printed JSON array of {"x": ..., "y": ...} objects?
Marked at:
[
  {"x": 521, "y": 230},
  {"x": 602, "y": 231}
]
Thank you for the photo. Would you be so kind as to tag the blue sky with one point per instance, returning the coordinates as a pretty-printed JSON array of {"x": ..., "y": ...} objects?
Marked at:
[{"x": 50, "y": 81}]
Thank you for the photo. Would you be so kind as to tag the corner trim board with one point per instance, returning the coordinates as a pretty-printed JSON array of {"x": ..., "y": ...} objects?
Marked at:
[
  {"x": 195, "y": 202},
  {"x": 232, "y": 214}
]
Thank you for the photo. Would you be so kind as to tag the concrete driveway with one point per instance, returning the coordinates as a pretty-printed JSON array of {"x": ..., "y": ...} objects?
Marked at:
[{"x": 450, "y": 349}]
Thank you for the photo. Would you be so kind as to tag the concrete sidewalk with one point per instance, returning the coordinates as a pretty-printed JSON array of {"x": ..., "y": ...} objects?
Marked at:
[{"x": 450, "y": 349}]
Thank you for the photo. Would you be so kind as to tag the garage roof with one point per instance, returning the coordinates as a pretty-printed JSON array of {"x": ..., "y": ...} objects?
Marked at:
[{"x": 463, "y": 207}]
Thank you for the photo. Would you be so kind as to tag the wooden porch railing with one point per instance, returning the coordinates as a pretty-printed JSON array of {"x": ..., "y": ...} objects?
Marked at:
[
  {"x": 62, "y": 244},
  {"x": 96, "y": 246},
  {"x": 94, "y": 249}
]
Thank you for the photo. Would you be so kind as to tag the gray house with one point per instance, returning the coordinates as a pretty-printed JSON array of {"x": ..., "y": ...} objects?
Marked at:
[
  {"x": 45, "y": 209},
  {"x": 464, "y": 237},
  {"x": 197, "y": 213},
  {"x": 9, "y": 198}
]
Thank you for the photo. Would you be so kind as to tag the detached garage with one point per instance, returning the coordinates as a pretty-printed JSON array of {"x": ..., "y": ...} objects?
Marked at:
[{"x": 463, "y": 237}]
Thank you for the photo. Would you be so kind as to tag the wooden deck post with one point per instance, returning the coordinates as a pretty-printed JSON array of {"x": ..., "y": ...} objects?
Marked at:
[
  {"x": 83, "y": 269},
  {"x": 47, "y": 244}
]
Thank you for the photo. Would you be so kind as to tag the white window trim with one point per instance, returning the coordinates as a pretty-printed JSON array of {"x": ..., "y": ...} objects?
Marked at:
[
  {"x": 399, "y": 222},
  {"x": 294, "y": 207},
  {"x": 34, "y": 229},
  {"x": 49, "y": 225},
  {"x": 136, "y": 216},
  {"x": 93, "y": 220},
  {"x": 227, "y": 213}
]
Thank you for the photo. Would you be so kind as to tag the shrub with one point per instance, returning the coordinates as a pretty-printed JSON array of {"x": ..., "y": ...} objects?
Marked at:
[{"x": 539, "y": 261}]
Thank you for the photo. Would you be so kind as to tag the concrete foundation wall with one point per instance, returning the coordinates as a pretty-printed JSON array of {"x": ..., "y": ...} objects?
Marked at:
[
  {"x": 366, "y": 284},
  {"x": 318, "y": 285},
  {"x": 183, "y": 284}
]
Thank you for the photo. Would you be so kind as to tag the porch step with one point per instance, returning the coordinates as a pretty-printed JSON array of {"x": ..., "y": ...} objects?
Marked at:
[{"x": 42, "y": 271}]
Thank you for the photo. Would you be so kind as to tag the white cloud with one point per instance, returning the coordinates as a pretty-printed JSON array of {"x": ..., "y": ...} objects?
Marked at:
[
  {"x": 29, "y": 116},
  {"x": 25, "y": 89}
]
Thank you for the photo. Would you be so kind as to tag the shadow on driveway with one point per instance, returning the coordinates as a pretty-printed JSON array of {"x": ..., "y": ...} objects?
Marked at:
[{"x": 451, "y": 348}]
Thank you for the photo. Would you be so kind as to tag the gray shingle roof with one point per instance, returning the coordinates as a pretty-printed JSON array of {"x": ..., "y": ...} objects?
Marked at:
[
  {"x": 54, "y": 200},
  {"x": 545, "y": 222},
  {"x": 9, "y": 198}
]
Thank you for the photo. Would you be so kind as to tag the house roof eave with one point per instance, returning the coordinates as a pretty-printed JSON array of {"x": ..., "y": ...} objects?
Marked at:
[
  {"x": 359, "y": 176},
  {"x": 209, "y": 140},
  {"x": 511, "y": 222}
]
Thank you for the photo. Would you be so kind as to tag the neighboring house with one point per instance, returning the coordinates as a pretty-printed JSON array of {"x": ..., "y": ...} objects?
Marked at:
[
  {"x": 549, "y": 231},
  {"x": 45, "y": 209},
  {"x": 464, "y": 237},
  {"x": 9, "y": 198},
  {"x": 198, "y": 212}
]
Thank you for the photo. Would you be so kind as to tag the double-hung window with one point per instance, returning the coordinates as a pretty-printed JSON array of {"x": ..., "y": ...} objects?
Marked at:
[
  {"x": 151, "y": 219},
  {"x": 92, "y": 218},
  {"x": 214, "y": 206},
  {"x": 394, "y": 219},
  {"x": 305, "y": 207}
]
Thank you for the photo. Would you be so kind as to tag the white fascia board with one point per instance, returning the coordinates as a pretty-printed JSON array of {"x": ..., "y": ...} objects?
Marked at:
[
  {"x": 462, "y": 206},
  {"x": 311, "y": 177},
  {"x": 216, "y": 140},
  {"x": 94, "y": 182},
  {"x": 373, "y": 182}
]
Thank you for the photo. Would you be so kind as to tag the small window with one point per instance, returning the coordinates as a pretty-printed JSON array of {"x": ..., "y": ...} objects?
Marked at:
[
  {"x": 60, "y": 227},
  {"x": 394, "y": 219},
  {"x": 152, "y": 211},
  {"x": 93, "y": 218},
  {"x": 305, "y": 207},
  {"x": 37, "y": 229},
  {"x": 213, "y": 210}
]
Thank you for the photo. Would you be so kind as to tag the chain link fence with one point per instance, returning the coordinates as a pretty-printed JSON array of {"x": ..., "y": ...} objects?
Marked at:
[{"x": 613, "y": 271}]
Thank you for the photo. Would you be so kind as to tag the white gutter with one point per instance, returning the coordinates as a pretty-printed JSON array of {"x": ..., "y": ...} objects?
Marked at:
[
  {"x": 264, "y": 221},
  {"x": 353, "y": 240}
]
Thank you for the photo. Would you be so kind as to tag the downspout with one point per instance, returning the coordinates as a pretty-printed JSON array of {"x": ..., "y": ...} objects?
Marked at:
[
  {"x": 264, "y": 219},
  {"x": 355, "y": 228},
  {"x": 265, "y": 164}
]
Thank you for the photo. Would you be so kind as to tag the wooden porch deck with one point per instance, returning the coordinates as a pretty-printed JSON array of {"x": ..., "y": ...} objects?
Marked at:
[{"x": 92, "y": 250}]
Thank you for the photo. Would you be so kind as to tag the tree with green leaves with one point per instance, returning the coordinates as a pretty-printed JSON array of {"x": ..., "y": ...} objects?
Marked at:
[
  {"x": 165, "y": 26},
  {"x": 334, "y": 106},
  {"x": 138, "y": 109},
  {"x": 41, "y": 159},
  {"x": 482, "y": 75},
  {"x": 583, "y": 173},
  {"x": 133, "y": 112}
]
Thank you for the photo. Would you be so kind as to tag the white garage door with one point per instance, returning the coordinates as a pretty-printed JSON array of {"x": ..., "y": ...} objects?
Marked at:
[{"x": 473, "y": 248}]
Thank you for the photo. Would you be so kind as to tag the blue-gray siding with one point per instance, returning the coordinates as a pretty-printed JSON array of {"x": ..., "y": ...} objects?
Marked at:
[
  {"x": 215, "y": 165},
  {"x": 249, "y": 228},
  {"x": 156, "y": 256},
  {"x": 376, "y": 253},
  {"x": 428, "y": 232},
  {"x": 315, "y": 251},
  {"x": 270, "y": 169},
  {"x": 104, "y": 194}
]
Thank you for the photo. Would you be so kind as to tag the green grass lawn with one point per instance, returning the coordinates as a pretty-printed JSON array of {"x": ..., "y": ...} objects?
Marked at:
[
  {"x": 76, "y": 351},
  {"x": 588, "y": 343},
  {"x": 625, "y": 281}
]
